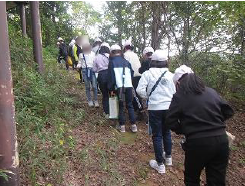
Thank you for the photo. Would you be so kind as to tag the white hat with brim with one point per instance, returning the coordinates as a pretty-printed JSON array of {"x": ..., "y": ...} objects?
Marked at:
[
  {"x": 159, "y": 55},
  {"x": 98, "y": 40},
  {"x": 148, "y": 50},
  {"x": 115, "y": 47},
  {"x": 60, "y": 39},
  {"x": 179, "y": 72},
  {"x": 105, "y": 44},
  {"x": 127, "y": 43}
]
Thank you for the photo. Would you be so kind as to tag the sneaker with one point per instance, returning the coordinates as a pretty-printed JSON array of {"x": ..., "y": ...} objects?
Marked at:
[
  {"x": 107, "y": 116},
  {"x": 90, "y": 104},
  {"x": 168, "y": 161},
  {"x": 159, "y": 168},
  {"x": 122, "y": 128},
  {"x": 134, "y": 128},
  {"x": 96, "y": 104}
]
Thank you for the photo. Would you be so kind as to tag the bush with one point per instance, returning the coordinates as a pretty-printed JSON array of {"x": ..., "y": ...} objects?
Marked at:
[{"x": 43, "y": 112}]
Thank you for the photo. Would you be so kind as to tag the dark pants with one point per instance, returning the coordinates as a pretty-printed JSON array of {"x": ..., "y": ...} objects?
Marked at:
[
  {"x": 129, "y": 106},
  {"x": 80, "y": 74},
  {"x": 102, "y": 81},
  {"x": 160, "y": 134},
  {"x": 135, "y": 83},
  {"x": 211, "y": 153}
]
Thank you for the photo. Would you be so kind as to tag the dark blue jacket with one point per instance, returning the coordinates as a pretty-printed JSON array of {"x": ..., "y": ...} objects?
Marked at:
[{"x": 115, "y": 73}]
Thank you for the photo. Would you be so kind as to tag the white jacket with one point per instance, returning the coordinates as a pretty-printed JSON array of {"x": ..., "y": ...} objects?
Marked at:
[
  {"x": 161, "y": 97},
  {"x": 134, "y": 61},
  {"x": 89, "y": 60}
]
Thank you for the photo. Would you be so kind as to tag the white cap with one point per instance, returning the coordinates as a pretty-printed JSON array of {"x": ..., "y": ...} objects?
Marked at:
[
  {"x": 147, "y": 50},
  {"x": 60, "y": 39},
  {"x": 105, "y": 44},
  {"x": 98, "y": 40},
  {"x": 179, "y": 72},
  {"x": 115, "y": 47},
  {"x": 159, "y": 55},
  {"x": 127, "y": 43}
]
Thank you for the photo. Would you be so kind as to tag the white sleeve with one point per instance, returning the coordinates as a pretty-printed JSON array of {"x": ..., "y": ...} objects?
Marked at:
[{"x": 142, "y": 86}]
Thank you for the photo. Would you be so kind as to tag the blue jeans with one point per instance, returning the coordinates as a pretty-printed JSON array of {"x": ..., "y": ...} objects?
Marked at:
[
  {"x": 160, "y": 134},
  {"x": 88, "y": 83},
  {"x": 129, "y": 106}
]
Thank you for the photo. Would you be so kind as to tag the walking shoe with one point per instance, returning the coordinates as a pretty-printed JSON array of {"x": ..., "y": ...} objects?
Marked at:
[
  {"x": 122, "y": 128},
  {"x": 107, "y": 116},
  {"x": 90, "y": 103},
  {"x": 134, "y": 128},
  {"x": 159, "y": 168},
  {"x": 96, "y": 104},
  {"x": 168, "y": 161}
]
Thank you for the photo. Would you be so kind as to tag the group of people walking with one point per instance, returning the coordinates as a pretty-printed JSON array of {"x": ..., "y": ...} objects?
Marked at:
[{"x": 177, "y": 101}]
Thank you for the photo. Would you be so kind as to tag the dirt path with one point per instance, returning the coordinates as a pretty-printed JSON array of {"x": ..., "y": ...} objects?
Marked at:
[{"x": 103, "y": 156}]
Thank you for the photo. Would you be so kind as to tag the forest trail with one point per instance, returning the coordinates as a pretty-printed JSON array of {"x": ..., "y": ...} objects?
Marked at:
[{"x": 103, "y": 156}]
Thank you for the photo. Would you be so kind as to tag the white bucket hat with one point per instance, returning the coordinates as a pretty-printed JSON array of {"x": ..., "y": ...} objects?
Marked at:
[
  {"x": 179, "y": 72},
  {"x": 115, "y": 47},
  {"x": 98, "y": 40},
  {"x": 60, "y": 39},
  {"x": 159, "y": 55},
  {"x": 147, "y": 50},
  {"x": 105, "y": 44}
]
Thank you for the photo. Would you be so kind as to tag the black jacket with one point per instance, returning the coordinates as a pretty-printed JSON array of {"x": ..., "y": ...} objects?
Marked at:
[
  {"x": 145, "y": 65},
  {"x": 198, "y": 115},
  {"x": 63, "y": 51}
]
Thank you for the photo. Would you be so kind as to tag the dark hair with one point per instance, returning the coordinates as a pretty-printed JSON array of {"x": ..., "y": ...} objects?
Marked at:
[
  {"x": 159, "y": 64},
  {"x": 128, "y": 47},
  {"x": 104, "y": 50},
  {"x": 191, "y": 83}
]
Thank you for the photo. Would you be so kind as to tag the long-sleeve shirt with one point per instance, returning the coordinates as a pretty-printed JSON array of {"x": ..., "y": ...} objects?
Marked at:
[
  {"x": 161, "y": 97},
  {"x": 88, "y": 62},
  {"x": 115, "y": 73},
  {"x": 134, "y": 61},
  {"x": 101, "y": 62},
  {"x": 198, "y": 115}
]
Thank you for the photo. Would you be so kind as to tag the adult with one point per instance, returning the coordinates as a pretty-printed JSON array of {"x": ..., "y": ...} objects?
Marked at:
[
  {"x": 199, "y": 113},
  {"x": 86, "y": 60},
  {"x": 135, "y": 63},
  {"x": 101, "y": 63},
  {"x": 156, "y": 85},
  {"x": 146, "y": 61},
  {"x": 120, "y": 81},
  {"x": 63, "y": 52}
]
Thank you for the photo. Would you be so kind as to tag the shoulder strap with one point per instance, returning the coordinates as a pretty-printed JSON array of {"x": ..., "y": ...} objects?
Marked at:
[
  {"x": 85, "y": 61},
  {"x": 155, "y": 86}
]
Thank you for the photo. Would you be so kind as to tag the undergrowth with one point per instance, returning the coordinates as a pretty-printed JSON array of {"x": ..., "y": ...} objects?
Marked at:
[{"x": 44, "y": 110}]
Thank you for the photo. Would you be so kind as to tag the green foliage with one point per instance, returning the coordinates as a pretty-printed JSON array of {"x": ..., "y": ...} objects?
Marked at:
[{"x": 44, "y": 110}]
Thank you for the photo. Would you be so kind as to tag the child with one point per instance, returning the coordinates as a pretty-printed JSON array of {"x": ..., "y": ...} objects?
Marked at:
[
  {"x": 156, "y": 84},
  {"x": 86, "y": 61},
  {"x": 120, "y": 76},
  {"x": 101, "y": 66}
]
